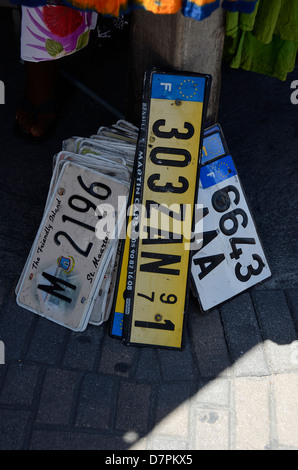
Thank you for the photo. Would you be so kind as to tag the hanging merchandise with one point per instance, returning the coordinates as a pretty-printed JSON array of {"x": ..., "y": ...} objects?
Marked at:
[
  {"x": 197, "y": 9},
  {"x": 54, "y": 31},
  {"x": 265, "y": 41}
]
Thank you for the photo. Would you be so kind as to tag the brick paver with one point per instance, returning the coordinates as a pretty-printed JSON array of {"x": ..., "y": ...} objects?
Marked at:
[{"x": 127, "y": 397}]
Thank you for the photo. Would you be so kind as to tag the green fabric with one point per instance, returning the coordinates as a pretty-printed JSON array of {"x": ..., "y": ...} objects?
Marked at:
[{"x": 265, "y": 41}]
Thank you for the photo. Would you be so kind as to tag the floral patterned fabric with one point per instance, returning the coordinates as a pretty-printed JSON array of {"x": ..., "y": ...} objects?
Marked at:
[{"x": 54, "y": 31}]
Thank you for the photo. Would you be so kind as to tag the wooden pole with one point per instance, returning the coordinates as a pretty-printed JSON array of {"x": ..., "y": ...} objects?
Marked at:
[{"x": 174, "y": 42}]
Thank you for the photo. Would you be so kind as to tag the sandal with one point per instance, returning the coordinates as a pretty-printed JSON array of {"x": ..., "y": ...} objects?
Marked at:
[{"x": 35, "y": 123}]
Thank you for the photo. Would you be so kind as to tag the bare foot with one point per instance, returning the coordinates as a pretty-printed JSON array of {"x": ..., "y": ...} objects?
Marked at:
[
  {"x": 43, "y": 124},
  {"x": 25, "y": 119}
]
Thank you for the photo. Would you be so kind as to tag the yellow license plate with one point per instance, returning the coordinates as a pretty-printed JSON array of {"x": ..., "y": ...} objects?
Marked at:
[{"x": 166, "y": 176}]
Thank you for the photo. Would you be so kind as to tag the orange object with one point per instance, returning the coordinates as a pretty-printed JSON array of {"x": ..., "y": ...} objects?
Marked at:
[{"x": 198, "y": 9}]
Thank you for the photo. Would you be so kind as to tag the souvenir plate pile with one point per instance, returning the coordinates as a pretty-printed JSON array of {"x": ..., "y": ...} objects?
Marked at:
[{"x": 70, "y": 272}]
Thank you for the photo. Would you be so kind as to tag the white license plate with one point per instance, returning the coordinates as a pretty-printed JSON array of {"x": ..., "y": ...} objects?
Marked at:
[
  {"x": 69, "y": 256},
  {"x": 231, "y": 257},
  {"x": 102, "y": 305}
]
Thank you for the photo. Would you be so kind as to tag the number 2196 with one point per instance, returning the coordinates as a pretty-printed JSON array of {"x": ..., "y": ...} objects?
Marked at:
[{"x": 83, "y": 206}]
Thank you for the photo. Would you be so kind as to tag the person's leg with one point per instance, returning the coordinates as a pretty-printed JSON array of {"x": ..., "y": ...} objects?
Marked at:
[
  {"x": 48, "y": 34},
  {"x": 41, "y": 78},
  {"x": 37, "y": 114}
]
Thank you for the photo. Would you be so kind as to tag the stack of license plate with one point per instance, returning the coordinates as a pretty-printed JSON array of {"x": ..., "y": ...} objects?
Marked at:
[
  {"x": 227, "y": 256},
  {"x": 102, "y": 250},
  {"x": 70, "y": 272}
]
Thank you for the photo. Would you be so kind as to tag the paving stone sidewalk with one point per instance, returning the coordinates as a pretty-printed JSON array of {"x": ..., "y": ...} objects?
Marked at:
[{"x": 234, "y": 386}]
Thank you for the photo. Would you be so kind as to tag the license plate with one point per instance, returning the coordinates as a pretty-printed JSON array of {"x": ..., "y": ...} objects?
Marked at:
[
  {"x": 114, "y": 170},
  {"x": 70, "y": 256},
  {"x": 118, "y": 305},
  {"x": 166, "y": 177},
  {"x": 102, "y": 305},
  {"x": 231, "y": 258},
  {"x": 91, "y": 147}
]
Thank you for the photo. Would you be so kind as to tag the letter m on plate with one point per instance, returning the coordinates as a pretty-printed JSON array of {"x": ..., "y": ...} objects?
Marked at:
[{"x": 55, "y": 287}]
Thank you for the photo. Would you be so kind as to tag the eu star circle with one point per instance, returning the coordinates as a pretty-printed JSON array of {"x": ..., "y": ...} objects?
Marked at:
[
  {"x": 223, "y": 169},
  {"x": 185, "y": 88}
]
